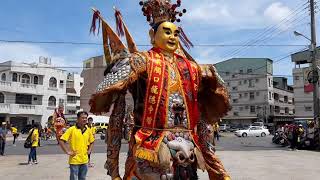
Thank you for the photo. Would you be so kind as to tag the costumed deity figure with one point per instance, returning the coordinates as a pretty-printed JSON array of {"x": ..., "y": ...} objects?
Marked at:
[
  {"x": 59, "y": 121},
  {"x": 176, "y": 100}
]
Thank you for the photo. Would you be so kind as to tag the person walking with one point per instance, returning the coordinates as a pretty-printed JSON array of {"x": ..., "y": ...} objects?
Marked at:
[
  {"x": 294, "y": 138},
  {"x": 80, "y": 140},
  {"x": 15, "y": 134},
  {"x": 34, "y": 133},
  {"x": 3, "y": 136},
  {"x": 93, "y": 130},
  {"x": 216, "y": 132}
]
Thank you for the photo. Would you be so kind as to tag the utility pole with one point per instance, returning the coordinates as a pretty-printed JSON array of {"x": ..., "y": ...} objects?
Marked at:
[{"x": 313, "y": 49}]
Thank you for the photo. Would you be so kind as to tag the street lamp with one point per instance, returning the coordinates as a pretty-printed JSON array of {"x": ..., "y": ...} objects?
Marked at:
[
  {"x": 315, "y": 75},
  {"x": 296, "y": 33}
]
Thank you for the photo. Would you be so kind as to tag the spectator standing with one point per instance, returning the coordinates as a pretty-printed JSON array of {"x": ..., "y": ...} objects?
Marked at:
[
  {"x": 93, "y": 130},
  {"x": 34, "y": 133},
  {"x": 3, "y": 136},
  {"x": 80, "y": 140}
]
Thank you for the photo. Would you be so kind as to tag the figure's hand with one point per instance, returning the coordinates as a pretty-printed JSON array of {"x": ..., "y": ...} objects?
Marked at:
[
  {"x": 117, "y": 178},
  {"x": 71, "y": 153},
  {"x": 227, "y": 178}
]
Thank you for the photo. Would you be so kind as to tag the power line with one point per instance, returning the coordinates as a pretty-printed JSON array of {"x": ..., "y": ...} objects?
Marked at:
[
  {"x": 144, "y": 45},
  {"x": 270, "y": 28}
]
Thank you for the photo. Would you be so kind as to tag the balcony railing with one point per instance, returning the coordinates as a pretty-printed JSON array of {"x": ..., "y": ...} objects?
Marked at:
[{"x": 4, "y": 83}]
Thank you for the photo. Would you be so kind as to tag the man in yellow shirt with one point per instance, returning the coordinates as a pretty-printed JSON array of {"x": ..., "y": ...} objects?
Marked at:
[
  {"x": 15, "y": 134},
  {"x": 93, "y": 130},
  {"x": 34, "y": 133},
  {"x": 80, "y": 140}
]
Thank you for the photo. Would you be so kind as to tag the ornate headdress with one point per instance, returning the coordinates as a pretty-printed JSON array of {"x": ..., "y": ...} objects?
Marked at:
[{"x": 158, "y": 11}]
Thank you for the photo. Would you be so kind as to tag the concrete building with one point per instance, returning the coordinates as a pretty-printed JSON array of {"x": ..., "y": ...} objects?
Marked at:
[
  {"x": 72, "y": 105},
  {"x": 303, "y": 96},
  {"x": 29, "y": 92},
  {"x": 252, "y": 88},
  {"x": 92, "y": 74}
]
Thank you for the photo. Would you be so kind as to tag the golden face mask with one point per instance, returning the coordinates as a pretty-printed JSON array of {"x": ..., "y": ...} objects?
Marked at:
[{"x": 167, "y": 37}]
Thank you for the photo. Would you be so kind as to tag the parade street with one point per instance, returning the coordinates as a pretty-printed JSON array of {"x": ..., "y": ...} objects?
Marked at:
[{"x": 252, "y": 158}]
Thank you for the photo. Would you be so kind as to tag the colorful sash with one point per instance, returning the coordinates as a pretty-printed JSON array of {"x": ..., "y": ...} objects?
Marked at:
[{"x": 149, "y": 137}]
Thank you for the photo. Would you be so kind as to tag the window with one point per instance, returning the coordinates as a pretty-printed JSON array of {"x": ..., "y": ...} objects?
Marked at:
[
  {"x": 269, "y": 80},
  {"x": 308, "y": 108},
  {"x": 252, "y": 109},
  {"x": 249, "y": 70},
  {"x": 241, "y": 108},
  {"x": 235, "y": 100},
  {"x": 245, "y": 82},
  {"x": 240, "y": 96},
  {"x": 72, "y": 111},
  {"x": 228, "y": 83},
  {"x": 276, "y": 96},
  {"x": 296, "y": 78},
  {"x": 35, "y": 80},
  {"x": 241, "y": 71},
  {"x": 286, "y": 110},
  {"x": 53, "y": 82},
  {"x": 277, "y": 109},
  {"x": 251, "y": 83},
  {"x": 251, "y": 95},
  {"x": 14, "y": 77},
  {"x": 52, "y": 101},
  {"x": 61, "y": 83},
  {"x": 88, "y": 65},
  {"x": 1, "y": 98},
  {"x": 233, "y": 75},
  {"x": 3, "y": 77},
  {"x": 270, "y": 96},
  {"x": 245, "y": 94},
  {"x": 227, "y": 73},
  {"x": 286, "y": 99},
  {"x": 246, "y": 107},
  {"x": 257, "y": 93},
  {"x": 81, "y": 84},
  {"x": 257, "y": 80},
  {"x": 234, "y": 88},
  {"x": 25, "y": 79},
  {"x": 236, "y": 113},
  {"x": 61, "y": 101},
  {"x": 240, "y": 82}
]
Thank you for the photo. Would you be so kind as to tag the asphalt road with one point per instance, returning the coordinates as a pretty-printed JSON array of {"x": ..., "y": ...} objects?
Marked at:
[{"x": 228, "y": 142}]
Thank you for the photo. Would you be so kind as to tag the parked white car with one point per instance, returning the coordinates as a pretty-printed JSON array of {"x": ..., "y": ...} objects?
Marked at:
[{"x": 252, "y": 131}]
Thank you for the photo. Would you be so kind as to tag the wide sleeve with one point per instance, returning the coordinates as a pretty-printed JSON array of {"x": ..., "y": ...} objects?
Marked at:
[
  {"x": 118, "y": 77},
  {"x": 213, "y": 95}
]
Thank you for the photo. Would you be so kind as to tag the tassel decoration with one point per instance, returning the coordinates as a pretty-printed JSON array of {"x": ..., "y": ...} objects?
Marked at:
[
  {"x": 119, "y": 23},
  {"x": 95, "y": 17},
  {"x": 184, "y": 39}
]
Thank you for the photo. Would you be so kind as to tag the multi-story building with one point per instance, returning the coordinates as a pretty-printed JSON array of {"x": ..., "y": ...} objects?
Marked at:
[
  {"x": 302, "y": 92},
  {"x": 283, "y": 106},
  {"x": 72, "y": 105},
  {"x": 251, "y": 83},
  {"x": 30, "y": 92},
  {"x": 92, "y": 74}
]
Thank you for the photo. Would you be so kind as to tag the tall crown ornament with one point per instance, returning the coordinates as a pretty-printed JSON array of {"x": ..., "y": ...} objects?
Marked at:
[{"x": 158, "y": 11}]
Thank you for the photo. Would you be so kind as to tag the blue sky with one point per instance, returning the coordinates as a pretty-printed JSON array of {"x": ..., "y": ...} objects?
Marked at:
[{"x": 206, "y": 22}]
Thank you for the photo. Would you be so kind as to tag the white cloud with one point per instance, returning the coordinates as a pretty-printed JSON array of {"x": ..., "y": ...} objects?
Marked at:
[
  {"x": 21, "y": 52},
  {"x": 29, "y": 53},
  {"x": 236, "y": 14},
  {"x": 276, "y": 12}
]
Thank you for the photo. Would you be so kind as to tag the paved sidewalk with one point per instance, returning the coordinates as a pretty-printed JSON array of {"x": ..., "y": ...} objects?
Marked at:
[{"x": 242, "y": 165}]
